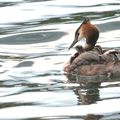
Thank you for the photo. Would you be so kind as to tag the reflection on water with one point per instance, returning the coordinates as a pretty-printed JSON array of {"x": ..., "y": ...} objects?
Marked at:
[
  {"x": 34, "y": 38},
  {"x": 87, "y": 96}
]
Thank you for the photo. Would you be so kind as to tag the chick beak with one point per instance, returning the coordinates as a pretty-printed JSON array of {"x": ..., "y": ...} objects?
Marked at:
[{"x": 75, "y": 41}]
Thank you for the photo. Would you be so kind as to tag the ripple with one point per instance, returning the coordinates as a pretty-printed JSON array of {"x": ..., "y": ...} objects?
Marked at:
[{"x": 31, "y": 38}]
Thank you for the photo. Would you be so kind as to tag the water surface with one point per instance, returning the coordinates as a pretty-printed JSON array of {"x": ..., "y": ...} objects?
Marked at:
[{"x": 34, "y": 40}]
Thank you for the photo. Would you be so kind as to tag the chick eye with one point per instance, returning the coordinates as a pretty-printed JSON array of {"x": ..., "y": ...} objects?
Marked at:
[{"x": 77, "y": 34}]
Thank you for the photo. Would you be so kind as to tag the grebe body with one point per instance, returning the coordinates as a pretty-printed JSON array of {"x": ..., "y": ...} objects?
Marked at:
[{"x": 93, "y": 62}]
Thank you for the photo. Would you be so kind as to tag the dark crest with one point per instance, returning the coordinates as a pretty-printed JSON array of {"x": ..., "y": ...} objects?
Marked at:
[{"x": 85, "y": 20}]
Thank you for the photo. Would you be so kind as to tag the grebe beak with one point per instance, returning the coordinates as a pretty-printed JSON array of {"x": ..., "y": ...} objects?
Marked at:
[{"x": 76, "y": 39}]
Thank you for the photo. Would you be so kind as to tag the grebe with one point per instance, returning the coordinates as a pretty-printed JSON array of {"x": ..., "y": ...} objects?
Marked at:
[{"x": 91, "y": 60}]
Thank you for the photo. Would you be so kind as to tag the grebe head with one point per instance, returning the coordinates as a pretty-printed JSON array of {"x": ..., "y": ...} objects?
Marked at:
[{"x": 89, "y": 32}]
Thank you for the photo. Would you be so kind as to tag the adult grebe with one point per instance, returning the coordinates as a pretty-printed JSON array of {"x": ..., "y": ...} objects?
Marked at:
[{"x": 90, "y": 59}]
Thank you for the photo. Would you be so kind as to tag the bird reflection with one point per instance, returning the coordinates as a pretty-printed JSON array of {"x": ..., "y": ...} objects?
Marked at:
[{"x": 87, "y": 95}]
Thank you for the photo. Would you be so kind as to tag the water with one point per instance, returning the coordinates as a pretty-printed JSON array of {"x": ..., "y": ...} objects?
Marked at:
[{"x": 34, "y": 38}]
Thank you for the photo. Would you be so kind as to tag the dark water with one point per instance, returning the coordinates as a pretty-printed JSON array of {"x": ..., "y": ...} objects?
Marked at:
[{"x": 34, "y": 37}]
